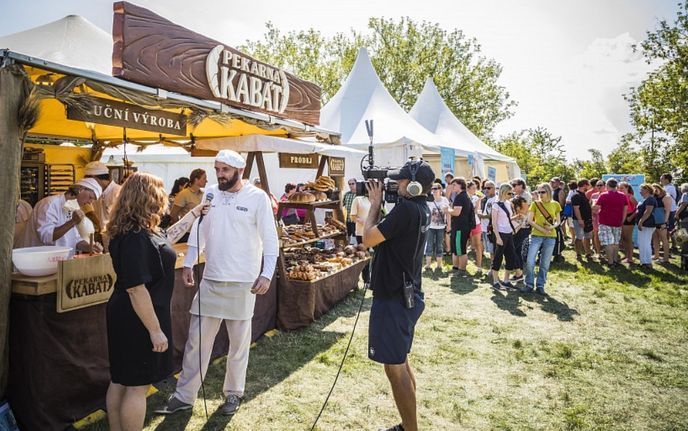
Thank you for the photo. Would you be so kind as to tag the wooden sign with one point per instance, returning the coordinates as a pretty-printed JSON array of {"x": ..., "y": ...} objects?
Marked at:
[
  {"x": 302, "y": 161},
  {"x": 84, "y": 282},
  {"x": 110, "y": 112},
  {"x": 153, "y": 51},
  {"x": 335, "y": 166}
]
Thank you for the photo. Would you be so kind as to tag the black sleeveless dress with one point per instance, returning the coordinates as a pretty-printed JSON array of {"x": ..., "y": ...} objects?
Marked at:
[{"x": 139, "y": 258}]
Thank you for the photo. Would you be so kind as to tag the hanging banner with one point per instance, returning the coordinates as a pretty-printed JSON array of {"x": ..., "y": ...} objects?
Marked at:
[
  {"x": 335, "y": 166},
  {"x": 492, "y": 174},
  {"x": 298, "y": 161},
  {"x": 112, "y": 113},
  {"x": 153, "y": 51},
  {"x": 635, "y": 180},
  {"x": 447, "y": 156}
]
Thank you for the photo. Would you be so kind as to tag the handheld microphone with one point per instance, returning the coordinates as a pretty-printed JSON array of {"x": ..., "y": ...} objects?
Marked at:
[{"x": 208, "y": 198}]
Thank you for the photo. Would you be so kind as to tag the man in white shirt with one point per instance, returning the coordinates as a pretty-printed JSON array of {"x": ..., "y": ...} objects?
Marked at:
[
  {"x": 237, "y": 234},
  {"x": 51, "y": 224},
  {"x": 102, "y": 207}
]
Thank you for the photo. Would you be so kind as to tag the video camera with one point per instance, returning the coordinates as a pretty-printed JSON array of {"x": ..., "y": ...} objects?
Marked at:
[{"x": 376, "y": 173}]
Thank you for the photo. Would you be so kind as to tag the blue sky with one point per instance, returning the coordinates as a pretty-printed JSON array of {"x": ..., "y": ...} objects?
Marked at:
[{"x": 567, "y": 63}]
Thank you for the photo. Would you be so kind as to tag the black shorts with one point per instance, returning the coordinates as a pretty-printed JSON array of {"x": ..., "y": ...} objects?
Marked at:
[
  {"x": 459, "y": 241},
  {"x": 350, "y": 228},
  {"x": 391, "y": 328}
]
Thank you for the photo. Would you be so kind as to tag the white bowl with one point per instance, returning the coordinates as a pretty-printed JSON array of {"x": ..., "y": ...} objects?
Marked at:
[{"x": 39, "y": 261}]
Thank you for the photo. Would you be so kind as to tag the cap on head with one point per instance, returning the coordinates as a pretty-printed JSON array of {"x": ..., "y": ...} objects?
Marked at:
[
  {"x": 424, "y": 174},
  {"x": 231, "y": 158},
  {"x": 92, "y": 185},
  {"x": 96, "y": 168}
]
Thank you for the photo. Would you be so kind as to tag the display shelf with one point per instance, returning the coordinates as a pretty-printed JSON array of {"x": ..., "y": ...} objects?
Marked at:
[
  {"x": 310, "y": 241},
  {"x": 332, "y": 274}
]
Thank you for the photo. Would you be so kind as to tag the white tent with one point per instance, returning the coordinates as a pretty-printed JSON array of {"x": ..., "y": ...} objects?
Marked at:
[
  {"x": 431, "y": 111},
  {"x": 363, "y": 97},
  {"x": 71, "y": 41}
]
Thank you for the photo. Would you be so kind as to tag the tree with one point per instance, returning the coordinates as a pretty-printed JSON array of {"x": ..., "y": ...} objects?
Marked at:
[
  {"x": 593, "y": 168},
  {"x": 625, "y": 158},
  {"x": 405, "y": 54},
  {"x": 659, "y": 106},
  {"x": 539, "y": 154}
]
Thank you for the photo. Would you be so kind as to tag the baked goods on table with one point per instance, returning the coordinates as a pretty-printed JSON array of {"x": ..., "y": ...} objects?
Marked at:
[
  {"x": 302, "y": 197},
  {"x": 322, "y": 184},
  {"x": 312, "y": 263}
]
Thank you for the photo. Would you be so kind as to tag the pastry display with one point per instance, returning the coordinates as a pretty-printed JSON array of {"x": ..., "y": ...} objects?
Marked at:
[
  {"x": 312, "y": 263},
  {"x": 322, "y": 184},
  {"x": 302, "y": 197},
  {"x": 297, "y": 233}
]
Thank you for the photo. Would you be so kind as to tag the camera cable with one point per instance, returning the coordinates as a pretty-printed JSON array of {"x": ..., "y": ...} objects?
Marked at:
[{"x": 353, "y": 331}]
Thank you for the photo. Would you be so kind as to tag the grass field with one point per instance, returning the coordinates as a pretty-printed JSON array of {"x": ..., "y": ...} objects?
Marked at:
[{"x": 607, "y": 350}]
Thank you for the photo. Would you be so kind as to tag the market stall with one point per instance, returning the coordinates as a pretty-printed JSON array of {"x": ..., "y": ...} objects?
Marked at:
[{"x": 58, "y": 369}]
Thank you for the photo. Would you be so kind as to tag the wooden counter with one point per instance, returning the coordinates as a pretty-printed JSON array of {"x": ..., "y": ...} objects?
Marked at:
[{"x": 36, "y": 286}]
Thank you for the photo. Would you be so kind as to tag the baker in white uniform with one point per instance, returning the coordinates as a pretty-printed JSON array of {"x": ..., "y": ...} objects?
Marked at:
[
  {"x": 237, "y": 234},
  {"x": 52, "y": 224},
  {"x": 103, "y": 205}
]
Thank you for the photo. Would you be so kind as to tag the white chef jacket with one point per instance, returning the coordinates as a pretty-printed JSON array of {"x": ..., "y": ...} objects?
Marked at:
[
  {"x": 21, "y": 218},
  {"x": 235, "y": 234},
  {"x": 47, "y": 215}
]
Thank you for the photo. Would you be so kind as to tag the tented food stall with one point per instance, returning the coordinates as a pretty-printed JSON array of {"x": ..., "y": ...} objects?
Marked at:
[{"x": 188, "y": 95}]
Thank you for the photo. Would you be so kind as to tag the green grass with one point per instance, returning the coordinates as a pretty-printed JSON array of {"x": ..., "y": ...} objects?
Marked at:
[{"x": 608, "y": 350}]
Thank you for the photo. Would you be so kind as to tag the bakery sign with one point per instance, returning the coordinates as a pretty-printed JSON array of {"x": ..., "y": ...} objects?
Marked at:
[
  {"x": 84, "y": 282},
  {"x": 110, "y": 112},
  {"x": 335, "y": 166},
  {"x": 150, "y": 50},
  {"x": 298, "y": 161}
]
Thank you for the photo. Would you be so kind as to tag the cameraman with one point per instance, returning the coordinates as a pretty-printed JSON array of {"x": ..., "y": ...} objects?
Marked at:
[{"x": 399, "y": 241}]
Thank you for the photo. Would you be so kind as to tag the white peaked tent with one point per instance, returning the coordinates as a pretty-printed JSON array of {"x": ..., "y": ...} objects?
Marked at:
[
  {"x": 431, "y": 112},
  {"x": 363, "y": 97},
  {"x": 71, "y": 41}
]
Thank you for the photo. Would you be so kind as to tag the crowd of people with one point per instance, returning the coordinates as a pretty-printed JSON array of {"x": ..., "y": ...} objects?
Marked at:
[{"x": 519, "y": 228}]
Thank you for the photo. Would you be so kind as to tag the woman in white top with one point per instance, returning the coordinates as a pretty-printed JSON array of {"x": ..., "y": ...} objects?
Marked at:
[
  {"x": 504, "y": 237},
  {"x": 438, "y": 224}
]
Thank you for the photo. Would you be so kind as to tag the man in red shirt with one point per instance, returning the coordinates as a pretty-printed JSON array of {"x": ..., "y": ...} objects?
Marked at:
[{"x": 613, "y": 207}]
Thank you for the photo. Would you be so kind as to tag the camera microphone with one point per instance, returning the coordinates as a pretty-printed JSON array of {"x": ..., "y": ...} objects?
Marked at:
[{"x": 208, "y": 199}]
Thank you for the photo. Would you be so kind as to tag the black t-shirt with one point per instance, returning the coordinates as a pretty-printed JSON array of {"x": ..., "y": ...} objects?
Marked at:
[
  {"x": 579, "y": 199},
  {"x": 465, "y": 220},
  {"x": 640, "y": 210},
  {"x": 394, "y": 256}
]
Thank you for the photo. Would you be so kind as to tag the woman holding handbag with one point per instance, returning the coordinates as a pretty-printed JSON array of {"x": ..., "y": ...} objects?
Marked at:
[
  {"x": 503, "y": 229},
  {"x": 543, "y": 216}
]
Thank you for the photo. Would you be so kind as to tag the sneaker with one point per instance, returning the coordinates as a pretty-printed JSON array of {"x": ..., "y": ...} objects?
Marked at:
[
  {"x": 527, "y": 289},
  {"x": 517, "y": 278},
  {"x": 498, "y": 286},
  {"x": 541, "y": 291},
  {"x": 479, "y": 273},
  {"x": 394, "y": 428},
  {"x": 174, "y": 405},
  {"x": 231, "y": 405},
  {"x": 507, "y": 284}
]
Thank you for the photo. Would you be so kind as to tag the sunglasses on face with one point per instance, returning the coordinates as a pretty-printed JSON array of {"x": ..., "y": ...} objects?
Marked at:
[
  {"x": 542, "y": 192},
  {"x": 436, "y": 188},
  {"x": 599, "y": 185},
  {"x": 510, "y": 193},
  {"x": 352, "y": 184},
  {"x": 489, "y": 188}
]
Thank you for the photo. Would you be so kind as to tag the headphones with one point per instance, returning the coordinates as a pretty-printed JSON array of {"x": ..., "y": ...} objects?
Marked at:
[{"x": 414, "y": 188}]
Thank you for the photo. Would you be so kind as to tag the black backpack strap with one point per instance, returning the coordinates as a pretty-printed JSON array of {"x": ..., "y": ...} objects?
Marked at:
[{"x": 508, "y": 216}]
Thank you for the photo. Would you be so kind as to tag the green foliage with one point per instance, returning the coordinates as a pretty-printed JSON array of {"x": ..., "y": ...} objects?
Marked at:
[
  {"x": 405, "y": 53},
  {"x": 539, "y": 154},
  {"x": 593, "y": 168},
  {"x": 659, "y": 106}
]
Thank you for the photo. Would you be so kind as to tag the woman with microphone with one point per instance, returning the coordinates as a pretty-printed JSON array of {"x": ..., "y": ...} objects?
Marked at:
[{"x": 138, "y": 313}]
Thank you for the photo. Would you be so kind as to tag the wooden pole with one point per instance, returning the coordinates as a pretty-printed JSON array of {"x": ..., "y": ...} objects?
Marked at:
[{"x": 12, "y": 98}]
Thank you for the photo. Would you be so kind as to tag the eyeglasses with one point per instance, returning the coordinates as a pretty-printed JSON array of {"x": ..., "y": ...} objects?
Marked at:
[
  {"x": 352, "y": 184},
  {"x": 542, "y": 192},
  {"x": 510, "y": 193},
  {"x": 436, "y": 188},
  {"x": 489, "y": 188},
  {"x": 600, "y": 185}
]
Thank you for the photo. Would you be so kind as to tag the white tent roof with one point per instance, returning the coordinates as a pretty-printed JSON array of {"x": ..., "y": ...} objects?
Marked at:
[
  {"x": 364, "y": 97},
  {"x": 431, "y": 111},
  {"x": 71, "y": 41}
]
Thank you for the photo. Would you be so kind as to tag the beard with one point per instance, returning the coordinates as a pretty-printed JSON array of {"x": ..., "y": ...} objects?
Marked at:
[{"x": 227, "y": 184}]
